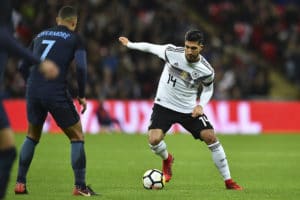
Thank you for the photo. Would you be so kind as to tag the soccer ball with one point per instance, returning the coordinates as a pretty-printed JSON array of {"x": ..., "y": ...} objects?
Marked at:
[{"x": 153, "y": 179}]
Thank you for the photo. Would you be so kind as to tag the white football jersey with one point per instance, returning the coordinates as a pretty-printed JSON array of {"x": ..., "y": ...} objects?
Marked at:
[{"x": 180, "y": 80}]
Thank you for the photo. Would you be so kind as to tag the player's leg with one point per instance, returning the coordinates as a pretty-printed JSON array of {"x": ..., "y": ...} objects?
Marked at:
[
  {"x": 157, "y": 143},
  {"x": 159, "y": 147},
  {"x": 26, "y": 156},
  {"x": 7, "y": 158},
  {"x": 78, "y": 159},
  {"x": 161, "y": 121},
  {"x": 7, "y": 143},
  {"x": 68, "y": 120},
  {"x": 36, "y": 115},
  {"x": 219, "y": 157},
  {"x": 202, "y": 129}
]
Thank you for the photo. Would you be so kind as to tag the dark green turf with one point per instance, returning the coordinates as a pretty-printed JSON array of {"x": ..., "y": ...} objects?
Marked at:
[{"x": 268, "y": 166}]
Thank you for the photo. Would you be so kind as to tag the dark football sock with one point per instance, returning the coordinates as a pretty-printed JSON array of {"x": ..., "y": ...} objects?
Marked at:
[
  {"x": 78, "y": 162},
  {"x": 25, "y": 159},
  {"x": 7, "y": 158}
]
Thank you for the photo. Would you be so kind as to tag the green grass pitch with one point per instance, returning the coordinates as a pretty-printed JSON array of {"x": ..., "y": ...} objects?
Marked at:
[{"x": 267, "y": 166}]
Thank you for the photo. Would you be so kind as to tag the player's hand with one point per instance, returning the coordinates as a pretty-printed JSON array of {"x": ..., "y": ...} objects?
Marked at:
[
  {"x": 124, "y": 40},
  {"x": 82, "y": 102},
  {"x": 49, "y": 69},
  {"x": 197, "y": 111}
]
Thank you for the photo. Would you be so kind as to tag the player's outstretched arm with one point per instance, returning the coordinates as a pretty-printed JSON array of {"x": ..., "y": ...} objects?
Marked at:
[{"x": 155, "y": 49}]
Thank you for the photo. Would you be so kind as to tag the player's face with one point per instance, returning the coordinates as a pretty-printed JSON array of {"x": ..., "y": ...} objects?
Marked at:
[{"x": 192, "y": 51}]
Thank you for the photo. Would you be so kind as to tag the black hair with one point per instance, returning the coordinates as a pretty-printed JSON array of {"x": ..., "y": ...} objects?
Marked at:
[
  {"x": 66, "y": 12},
  {"x": 194, "y": 36}
]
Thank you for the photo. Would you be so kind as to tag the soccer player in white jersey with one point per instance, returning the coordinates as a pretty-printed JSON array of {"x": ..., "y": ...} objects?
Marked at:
[{"x": 184, "y": 72}]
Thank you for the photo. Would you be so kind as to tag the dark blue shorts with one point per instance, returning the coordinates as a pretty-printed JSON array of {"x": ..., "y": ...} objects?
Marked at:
[
  {"x": 4, "y": 123},
  {"x": 62, "y": 110}
]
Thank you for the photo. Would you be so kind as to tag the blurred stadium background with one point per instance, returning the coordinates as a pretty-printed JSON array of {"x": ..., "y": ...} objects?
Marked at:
[{"x": 254, "y": 47}]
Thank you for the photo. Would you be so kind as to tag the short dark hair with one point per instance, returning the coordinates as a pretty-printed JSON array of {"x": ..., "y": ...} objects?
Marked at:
[
  {"x": 194, "y": 36},
  {"x": 66, "y": 12}
]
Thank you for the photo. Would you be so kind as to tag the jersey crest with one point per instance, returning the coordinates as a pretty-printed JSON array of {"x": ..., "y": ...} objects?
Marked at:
[{"x": 195, "y": 74}]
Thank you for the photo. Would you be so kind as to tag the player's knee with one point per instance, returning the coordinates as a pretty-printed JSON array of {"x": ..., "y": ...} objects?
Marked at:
[
  {"x": 208, "y": 136},
  {"x": 77, "y": 137},
  {"x": 34, "y": 137},
  {"x": 6, "y": 138},
  {"x": 154, "y": 140},
  {"x": 74, "y": 133},
  {"x": 34, "y": 132},
  {"x": 155, "y": 136}
]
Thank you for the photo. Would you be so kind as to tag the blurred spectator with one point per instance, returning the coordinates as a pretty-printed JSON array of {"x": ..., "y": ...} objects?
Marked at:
[{"x": 106, "y": 122}]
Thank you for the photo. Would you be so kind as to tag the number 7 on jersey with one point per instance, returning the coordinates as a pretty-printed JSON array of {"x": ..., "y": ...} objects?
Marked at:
[{"x": 49, "y": 44}]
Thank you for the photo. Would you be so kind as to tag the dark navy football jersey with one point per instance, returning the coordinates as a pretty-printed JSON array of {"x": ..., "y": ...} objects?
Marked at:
[
  {"x": 5, "y": 13},
  {"x": 60, "y": 45}
]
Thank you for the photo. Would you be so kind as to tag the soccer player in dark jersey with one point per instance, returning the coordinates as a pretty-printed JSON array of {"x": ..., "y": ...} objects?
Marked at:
[
  {"x": 61, "y": 44},
  {"x": 9, "y": 45}
]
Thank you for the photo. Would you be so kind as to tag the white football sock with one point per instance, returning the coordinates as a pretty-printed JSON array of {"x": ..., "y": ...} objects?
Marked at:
[
  {"x": 160, "y": 149},
  {"x": 219, "y": 158}
]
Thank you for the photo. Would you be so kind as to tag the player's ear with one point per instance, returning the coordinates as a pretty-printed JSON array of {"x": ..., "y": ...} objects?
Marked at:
[
  {"x": 73, "y": 25},
  {"x": 57, "y": 20}
]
